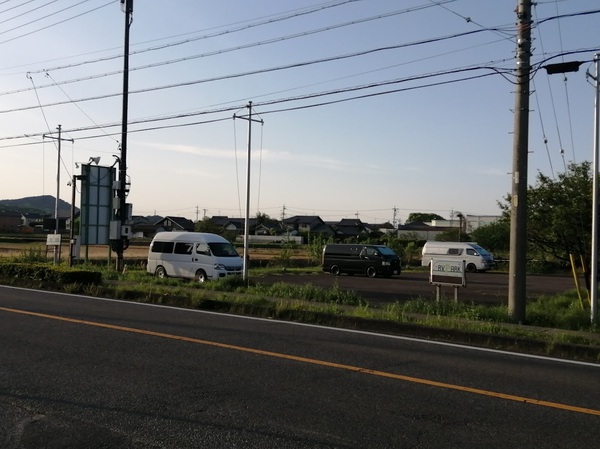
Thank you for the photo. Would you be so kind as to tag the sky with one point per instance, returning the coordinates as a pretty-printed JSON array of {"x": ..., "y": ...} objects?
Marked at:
[{"x": 369, "y": 109}]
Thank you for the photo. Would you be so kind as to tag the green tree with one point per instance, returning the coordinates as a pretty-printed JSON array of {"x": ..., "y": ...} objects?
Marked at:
[
  {"x": 494, "y": 237},
  {"x": 423, "y": 216},
  {"x": 559, "y": 213},
  {"x": 452, "y": 235},
  {"x": 262, "y": 218},
  {"x": 206, "y": 225}
]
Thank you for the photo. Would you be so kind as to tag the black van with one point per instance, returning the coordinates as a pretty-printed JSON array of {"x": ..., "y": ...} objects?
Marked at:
[{"x": 371, "y": 260}]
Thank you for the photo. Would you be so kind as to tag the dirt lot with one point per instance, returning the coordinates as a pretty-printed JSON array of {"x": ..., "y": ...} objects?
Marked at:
[{"x": 136, "y": 251}]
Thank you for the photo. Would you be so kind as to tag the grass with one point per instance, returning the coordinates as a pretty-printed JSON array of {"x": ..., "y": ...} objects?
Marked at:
[{"x": 563, "y": 314}]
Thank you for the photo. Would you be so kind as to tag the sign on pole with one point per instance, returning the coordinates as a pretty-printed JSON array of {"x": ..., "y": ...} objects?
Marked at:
[
  {"x": 96, "y": 203},
  {"x": 447, "y": 272},
  {"x": 53, "y": 240}
]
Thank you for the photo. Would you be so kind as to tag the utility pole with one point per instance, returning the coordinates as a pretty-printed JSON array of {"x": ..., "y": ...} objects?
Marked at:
[
  {"x": 120, "y": 244},
  {"x": 517, "y": 288},
  {"x": 59, "y": 139},
  {"x": 594, "y": 267},
  {"x": 247, "y": 216}
]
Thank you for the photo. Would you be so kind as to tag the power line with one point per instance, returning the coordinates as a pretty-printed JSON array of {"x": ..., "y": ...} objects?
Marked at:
[
  {"x": 242, "y": 74},
  {"x": 249, "y": 45},
  {"x": 243, "y": 47},
  {"x": 53, "y": 24},
  {"x": 26, "y": 12},
  {"x": 303, "y": 11},
  {"x": 493, "y": 71}
]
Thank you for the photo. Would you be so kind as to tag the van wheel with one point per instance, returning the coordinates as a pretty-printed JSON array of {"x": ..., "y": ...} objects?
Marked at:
[
  {"x": 335, "y": 270},
  {"x": 471, "y": 268},
  {"x": 371, "y": 272},
  {"x": 160, "y": 272},
  {"x": 201, "y": 276}
]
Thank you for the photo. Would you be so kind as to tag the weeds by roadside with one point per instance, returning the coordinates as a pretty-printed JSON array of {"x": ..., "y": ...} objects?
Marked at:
[{"x": 311, "y": 303}]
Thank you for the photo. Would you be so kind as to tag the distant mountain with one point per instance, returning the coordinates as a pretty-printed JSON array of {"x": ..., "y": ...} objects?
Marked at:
[{"x": 37, "y": 204}]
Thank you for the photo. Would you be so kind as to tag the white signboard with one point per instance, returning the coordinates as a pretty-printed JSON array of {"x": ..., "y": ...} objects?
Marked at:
[
  {"x": 447, "y": 272},
  {"x": 53, "y": 240}
]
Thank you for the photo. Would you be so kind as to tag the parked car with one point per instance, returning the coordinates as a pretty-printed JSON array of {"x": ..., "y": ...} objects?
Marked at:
[
  {"x": 475, "y": 257},
  {"x": 370, "y": 260},
  {"x": 193, "y": 255}
]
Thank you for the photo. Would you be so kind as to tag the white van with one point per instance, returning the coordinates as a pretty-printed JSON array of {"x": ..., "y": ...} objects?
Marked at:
[
  {"x": 476, "y": 258},
  {"x": 192, "y": 255}
]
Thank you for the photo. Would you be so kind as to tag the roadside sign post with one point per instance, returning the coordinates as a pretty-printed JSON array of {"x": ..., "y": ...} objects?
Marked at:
[
  {"x": 55, "y": 241},
  {"x": 447, "y": 272}
]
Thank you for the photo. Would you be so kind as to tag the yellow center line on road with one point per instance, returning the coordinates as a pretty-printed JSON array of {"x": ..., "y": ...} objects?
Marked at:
[{"x": 357, "y": 369}]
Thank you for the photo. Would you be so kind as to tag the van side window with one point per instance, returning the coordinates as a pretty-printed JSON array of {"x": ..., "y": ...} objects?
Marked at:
[
  {"x": 202, "y": 248},
  {"x": 162, "y": 247},
  {"x": 455, "y": 251},
  {"x": 183, "y": 248},
  {"x": 472, "y": 252}
]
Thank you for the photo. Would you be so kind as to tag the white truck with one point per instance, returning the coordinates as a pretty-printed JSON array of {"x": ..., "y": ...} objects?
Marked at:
[
  {"x": 476, "y": 258},
  {"x": 192, "y": 255}
]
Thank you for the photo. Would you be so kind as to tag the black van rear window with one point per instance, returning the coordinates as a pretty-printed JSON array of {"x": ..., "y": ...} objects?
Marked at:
[{"x": 183, "y": 248}]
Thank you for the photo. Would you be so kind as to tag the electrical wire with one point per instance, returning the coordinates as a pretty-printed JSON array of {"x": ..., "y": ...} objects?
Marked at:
[
  {"x": 37, "y": 8},
  {"x": 562, "y": 152},
  {"x": 253, "y": 44},
  {"x": 492, "y": 71},
  {"x": 250, "y": 45},
  {"x": 53, "y": 24}
]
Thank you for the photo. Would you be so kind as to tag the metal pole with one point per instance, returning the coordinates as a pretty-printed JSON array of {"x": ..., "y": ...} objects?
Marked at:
[
  {"x": 72, "y": 230},
  {"x": 57, "y": 195},
  {"x": 247, "y": 217},
  {"x": 122, "y": 192},
  {"x": 517, "y": 290},
  {"x": 594, "y": 264}
]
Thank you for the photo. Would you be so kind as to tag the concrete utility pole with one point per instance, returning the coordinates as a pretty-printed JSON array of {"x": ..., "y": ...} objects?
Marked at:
[
  {"x": 247, "y": 217},
  {"x": 59, "y": 139},
  {"x": 594, "y": 267},
  {"x": 121, "y": 243},
  {"x": 517, "y": 288}
]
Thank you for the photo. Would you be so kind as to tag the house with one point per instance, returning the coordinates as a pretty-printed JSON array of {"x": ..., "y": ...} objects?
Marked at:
[
  {"x": 226, "y": 224},
  {"x": 469, "y": 222},
  {"x": 351, "y": 228},
  {"x": 9, "y": 221},
  {"x": 384, "y": 228},
  {"x": 422, "y": 231},
  {"x": 144, "y": 226},
  {"x": 174, "y": 224},
  {"x": 309, "y": 224},
  {"x": 32, "y": 219}
]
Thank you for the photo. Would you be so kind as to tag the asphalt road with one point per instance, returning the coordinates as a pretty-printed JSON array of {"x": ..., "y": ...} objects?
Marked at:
[
  {"x": 82, "y": 372},
  {"x": 482, "y": 288}
]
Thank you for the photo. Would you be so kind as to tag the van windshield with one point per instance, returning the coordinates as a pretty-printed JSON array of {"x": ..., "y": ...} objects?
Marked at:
[
  {"x": 223, "y": 249},
  {"x": 384, "y": 250},
  {"x": 481, "y": 250}
]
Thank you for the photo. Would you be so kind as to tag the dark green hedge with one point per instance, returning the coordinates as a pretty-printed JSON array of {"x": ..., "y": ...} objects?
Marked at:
[{"x": 50, "y": 273}]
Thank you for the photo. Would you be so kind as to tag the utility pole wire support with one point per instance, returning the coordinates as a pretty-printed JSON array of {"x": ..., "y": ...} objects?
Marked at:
[
  {"x": 59, "y": 139},
  {"x": 247, "y": 215}
]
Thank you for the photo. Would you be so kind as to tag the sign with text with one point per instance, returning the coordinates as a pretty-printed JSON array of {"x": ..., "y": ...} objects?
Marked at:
[
  {"x": 53, "y": 240},
  {"x": 448, "y": 272}
]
